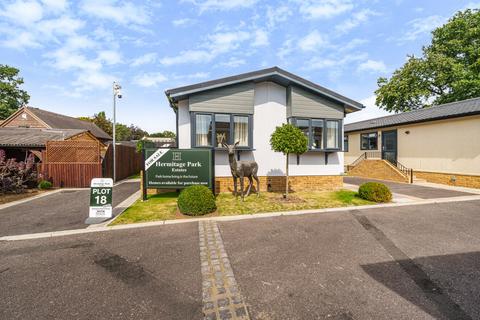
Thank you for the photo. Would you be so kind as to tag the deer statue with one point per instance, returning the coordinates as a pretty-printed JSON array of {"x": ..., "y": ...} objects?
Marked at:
[{"x": 242, "y": 170}]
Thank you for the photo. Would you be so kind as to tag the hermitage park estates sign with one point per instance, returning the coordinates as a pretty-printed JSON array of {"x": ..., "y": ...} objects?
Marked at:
[{"x": 177, "y": 168}]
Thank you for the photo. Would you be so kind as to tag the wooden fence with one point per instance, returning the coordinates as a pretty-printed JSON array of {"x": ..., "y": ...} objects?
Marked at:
[
  {"x": 72, "y": 163},
  {"x": 128, "y": 162}
]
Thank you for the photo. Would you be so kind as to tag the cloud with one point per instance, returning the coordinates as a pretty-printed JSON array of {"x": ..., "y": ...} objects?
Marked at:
[
  {"x": 144, "y": 59},
  {"x": 91, "y": 80},
  {"x": 277, "y": 15},
  {"x": 260, "y": 38},
  {"x": 372, "y": 66},
  {"x": 55, "y": 5},
  {"x": 422, "y": 26},
  {"x": 109, "y": 57},
  {"x": 324, "y": 9},
  {"x": 335, "y": 62},
  {"x": 187, "y": 56},
  {"x": 207, "y": 5},
  {"x": 149, "y": 79},
  {"x": 21, "y": 40},
  {"x": 125, "y": 13},
  {"x": 370, "y": 111},
  {"x": 312, "y": 41},
  {"x": 23, "y": 12},
  {"x": 355, "y": 20},
  {"x": 183, "y": 22},
  {"x": 233, "y": 62},
  {"x": 471, "y": 5}
]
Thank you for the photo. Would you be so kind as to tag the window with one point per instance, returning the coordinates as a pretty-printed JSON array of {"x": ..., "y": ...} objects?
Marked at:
[
  {"x": 345, "y": 143},
  {"x": 240, "y": 130},
  {"x": 222, "y": 132},
  {"x": 317, "y": 134},
  {"x": 332, "y": 134},
  {"x": 203, "y": 132},
  {"x": 210, "y": 130},
  {"x": 322, "y": 134},
  {"x": 369, "y": 141}
]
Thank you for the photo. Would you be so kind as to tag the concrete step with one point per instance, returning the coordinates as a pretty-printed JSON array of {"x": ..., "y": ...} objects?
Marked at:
[{"x": 415, "y": 179}]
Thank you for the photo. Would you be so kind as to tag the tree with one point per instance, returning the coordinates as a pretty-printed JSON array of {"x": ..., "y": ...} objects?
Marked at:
[
  {"x": 11, "y": 96},
  {"x": 288, "y": 139},
  {"x": 163, "y": 134},
  {"x": 136, "y": 133},
  {"x": 448, "y": 71},
  {"x": 101, "y": 120},
  {"x": 122, "y": 132}
]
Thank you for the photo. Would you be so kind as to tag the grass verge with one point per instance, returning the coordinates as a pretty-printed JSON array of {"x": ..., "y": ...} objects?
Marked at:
[{"x": 164, "y": 206}]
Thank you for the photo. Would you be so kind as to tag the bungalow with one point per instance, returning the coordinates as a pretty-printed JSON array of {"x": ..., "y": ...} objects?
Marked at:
[
  {"x": 246, "y": 108},
  {"x": 440, "y": 144}
]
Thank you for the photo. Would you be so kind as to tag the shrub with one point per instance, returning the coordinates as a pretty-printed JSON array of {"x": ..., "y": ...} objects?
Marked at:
[
  {"x": 374, "y": 191},
  {"x": 45, "y": 185},
  {"x": 196, "y": 201},
  {"x": 15, "y": 176}
]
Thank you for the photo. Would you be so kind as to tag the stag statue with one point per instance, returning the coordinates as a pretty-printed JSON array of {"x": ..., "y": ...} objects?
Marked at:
[{"x": 242, "y": 170}]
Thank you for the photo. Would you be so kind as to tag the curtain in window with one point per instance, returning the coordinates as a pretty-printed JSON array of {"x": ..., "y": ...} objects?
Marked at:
[
  {"x": 240, "y": 128},
  {"x": 203, "y": 130},
  {"x": 332, "y": 134}
]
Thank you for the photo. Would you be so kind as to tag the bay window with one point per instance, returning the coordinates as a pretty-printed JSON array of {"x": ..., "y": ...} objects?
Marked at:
[
  {"x": 211, "y": 129},
  {"x": 322, "y": 134}
]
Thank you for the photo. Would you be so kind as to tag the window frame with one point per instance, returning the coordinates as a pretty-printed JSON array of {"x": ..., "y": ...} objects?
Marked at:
[
  {"x": 193, "y": 130},
  {"x": 293, "y": 120},
  {"x": 367, "y": 133}
]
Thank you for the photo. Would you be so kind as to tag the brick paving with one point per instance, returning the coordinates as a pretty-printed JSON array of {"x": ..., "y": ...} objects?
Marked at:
[{"x": 221, "y": 295}]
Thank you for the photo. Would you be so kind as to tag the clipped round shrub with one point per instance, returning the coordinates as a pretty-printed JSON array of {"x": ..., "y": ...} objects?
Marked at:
[
  {"x": 45, "y": 185},
  {"x": 374, "y": 191},
  {"x": 196, "y": 201}
]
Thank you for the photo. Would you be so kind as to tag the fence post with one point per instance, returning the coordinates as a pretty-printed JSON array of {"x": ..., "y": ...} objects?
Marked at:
[{"x": 142, "y": 176}]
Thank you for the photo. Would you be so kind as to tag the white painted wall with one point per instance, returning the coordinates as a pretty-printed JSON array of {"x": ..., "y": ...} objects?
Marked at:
[
  {"x": 184, "y": 137},
  {"x": 269, "y": 112}
]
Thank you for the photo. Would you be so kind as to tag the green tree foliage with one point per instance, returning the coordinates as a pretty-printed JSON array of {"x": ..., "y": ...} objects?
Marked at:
[
  {"x": 122, "y": 132},
  {"x": 163, "y": 134},
  {"x": 288, "y": 139},
  {"x": 136, "y": 133},
  {"x": 11, "y": 96},
  {"x": 449, "y": 69}
]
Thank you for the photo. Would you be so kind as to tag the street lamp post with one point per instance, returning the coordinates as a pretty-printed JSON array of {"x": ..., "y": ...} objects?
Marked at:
[{"x": 116, "y": 94}]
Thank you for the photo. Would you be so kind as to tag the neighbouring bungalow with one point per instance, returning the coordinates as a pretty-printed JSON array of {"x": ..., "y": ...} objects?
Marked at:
[
  {"x": 247, "y": 108},
  {"x": 441, "y": 144},
  {"x": 29, "y": 129}
]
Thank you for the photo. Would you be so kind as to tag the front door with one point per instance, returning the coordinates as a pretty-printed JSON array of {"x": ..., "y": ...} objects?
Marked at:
[{"x": 389, "y": 146}]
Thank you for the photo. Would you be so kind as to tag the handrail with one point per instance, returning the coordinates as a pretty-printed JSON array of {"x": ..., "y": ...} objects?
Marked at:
[{"x": 408, "y": 172}]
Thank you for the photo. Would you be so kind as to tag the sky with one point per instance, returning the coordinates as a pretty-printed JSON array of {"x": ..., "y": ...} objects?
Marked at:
[{"x": 70, "y": 52}]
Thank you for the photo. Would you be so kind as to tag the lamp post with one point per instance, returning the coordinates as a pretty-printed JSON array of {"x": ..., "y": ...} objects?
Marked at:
[{"x": 116, "y": 94}]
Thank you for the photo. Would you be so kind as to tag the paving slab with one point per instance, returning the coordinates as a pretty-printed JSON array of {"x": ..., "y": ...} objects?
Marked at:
[
  {"x": 151, "y": 273},
  {"x": 64, "y": 210},
  {"x": 413, "y": 190}
]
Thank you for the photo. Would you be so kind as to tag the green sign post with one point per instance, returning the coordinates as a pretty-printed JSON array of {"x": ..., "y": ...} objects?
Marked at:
[{"x": 177, "y": 168}]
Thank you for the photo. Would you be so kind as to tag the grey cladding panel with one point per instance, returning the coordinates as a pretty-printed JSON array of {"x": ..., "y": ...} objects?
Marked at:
[
  {"x": 306, "y": 104},
  {"x": 233, "y": 99}
]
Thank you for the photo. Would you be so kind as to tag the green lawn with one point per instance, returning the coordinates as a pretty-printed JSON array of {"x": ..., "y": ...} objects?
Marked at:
[
  {"x": 164, "y": 206},
  {"x": 135, "y": 176}
]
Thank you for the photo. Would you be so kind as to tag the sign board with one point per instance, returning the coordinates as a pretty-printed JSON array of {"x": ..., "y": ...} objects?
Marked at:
[
  {"x": 177, "y": 168},
  {"x": 101, "y": 190}
]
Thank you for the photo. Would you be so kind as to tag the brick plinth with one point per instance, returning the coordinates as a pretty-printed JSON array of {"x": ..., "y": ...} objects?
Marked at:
[
  {"x": 277, "y": 183},
  {"x": 378, "y": 169},
  {"x": 452, "y": 179}
]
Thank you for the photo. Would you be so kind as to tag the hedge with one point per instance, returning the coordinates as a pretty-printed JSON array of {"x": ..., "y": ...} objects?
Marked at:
[
  {"x": 196, "y": 201},
  {"x": 374, "y": 191}
]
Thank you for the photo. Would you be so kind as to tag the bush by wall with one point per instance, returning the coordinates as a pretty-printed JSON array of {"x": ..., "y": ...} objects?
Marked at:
[
  {"x": 45, "y": 185},
  {"x": 196, "y": 201},
  {"x": 374, "y": 191}
]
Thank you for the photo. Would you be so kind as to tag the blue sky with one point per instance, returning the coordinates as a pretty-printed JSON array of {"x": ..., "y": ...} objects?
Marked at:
[{"x": 70, "y": 52}]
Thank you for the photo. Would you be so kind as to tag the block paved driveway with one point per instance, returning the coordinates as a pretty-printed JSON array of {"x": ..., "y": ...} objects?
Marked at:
[
  {"x": 406, "y": 262},
  {"x": 410, "y": 189},
  {"x": 65, "y": 210}
]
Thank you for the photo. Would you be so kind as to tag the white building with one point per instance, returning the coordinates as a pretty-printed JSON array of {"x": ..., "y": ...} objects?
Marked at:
[{"x": 247, "y": 108}]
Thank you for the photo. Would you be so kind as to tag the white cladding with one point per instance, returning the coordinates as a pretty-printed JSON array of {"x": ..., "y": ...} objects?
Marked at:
[{"x": 270, "y": 111}]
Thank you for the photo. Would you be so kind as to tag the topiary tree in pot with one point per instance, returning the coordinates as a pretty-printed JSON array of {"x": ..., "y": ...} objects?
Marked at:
[{"x": 288, "y": 139}]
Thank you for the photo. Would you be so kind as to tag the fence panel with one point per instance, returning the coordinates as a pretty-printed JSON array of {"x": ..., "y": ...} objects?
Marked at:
[
  {"x": 72, "y": 175},
  {"x": 128, "y": 162}
]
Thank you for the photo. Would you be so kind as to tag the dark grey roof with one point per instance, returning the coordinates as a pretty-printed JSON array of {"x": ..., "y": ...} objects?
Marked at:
[
  {"x": 274, "y": 74},
  {"x": 59, "y": 121},
  {"x": 444, "y": 111},
  {"x": 33, "y": 137}
]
